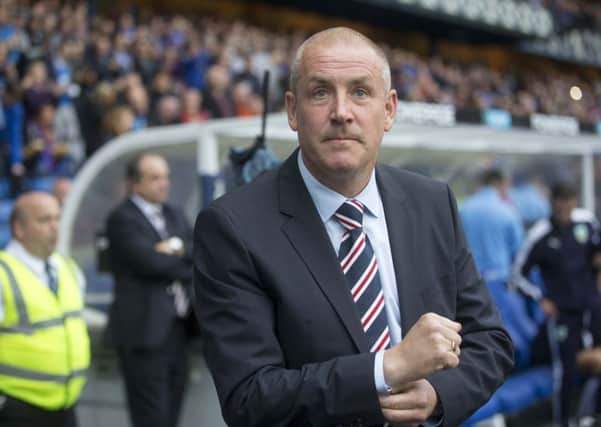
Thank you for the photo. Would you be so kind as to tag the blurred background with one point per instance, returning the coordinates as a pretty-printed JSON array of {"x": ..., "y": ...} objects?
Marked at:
[{"x": 84, "y": 85}]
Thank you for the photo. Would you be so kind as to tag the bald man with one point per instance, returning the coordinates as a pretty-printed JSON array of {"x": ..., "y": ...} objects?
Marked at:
[
  {"x": 44, "y": 345},
  {"x": 338, "y": 291}
]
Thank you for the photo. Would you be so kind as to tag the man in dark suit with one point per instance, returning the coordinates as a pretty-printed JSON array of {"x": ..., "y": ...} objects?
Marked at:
[
  {"x": 150, "y": 246},
  {"x": 336, "y": 292}
]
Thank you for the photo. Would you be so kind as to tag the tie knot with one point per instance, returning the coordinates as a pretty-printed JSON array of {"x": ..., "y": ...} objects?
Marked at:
[{"x": 350, "y": 214}]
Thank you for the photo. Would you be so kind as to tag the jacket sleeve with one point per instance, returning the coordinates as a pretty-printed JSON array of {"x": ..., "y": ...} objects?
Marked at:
[
  {"x": 237, "y": 316},
  {"x": 486, "y": 349},
  {"x": 526, "y": 259}
]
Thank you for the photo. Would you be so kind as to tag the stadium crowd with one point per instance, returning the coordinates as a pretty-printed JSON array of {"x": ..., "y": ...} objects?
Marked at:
[
  {"x": 70, "y": 80},
  {"x": 573, "y": 13}
]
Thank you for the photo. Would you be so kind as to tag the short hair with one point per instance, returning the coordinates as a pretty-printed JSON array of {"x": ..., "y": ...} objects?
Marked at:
[
  {"x": 132, "y": 169},
  {"x": 492, "y": 176},
  {"x": 16, "y": 215},
  {"x": 338, "y": 35},
  {"x": 563, "y": 190}
]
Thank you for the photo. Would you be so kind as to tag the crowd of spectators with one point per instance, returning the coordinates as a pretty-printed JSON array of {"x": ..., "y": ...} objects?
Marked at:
[
  {"x": 569, "y": 14},
  {"x": 71, "y": 80}
]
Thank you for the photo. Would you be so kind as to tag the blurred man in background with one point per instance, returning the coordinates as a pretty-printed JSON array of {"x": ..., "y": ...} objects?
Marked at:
[
  {"x": 567, "y": 250},
  {"x": 492, "y": 227},
  {"x": 44, "y": 344},
  {"x": 150, "y": 245}
]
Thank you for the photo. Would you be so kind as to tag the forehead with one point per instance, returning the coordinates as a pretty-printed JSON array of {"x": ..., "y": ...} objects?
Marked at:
[
  {"x": 341, "y": 60},
  {"x": 153, "y": 165},
  {"x": 41, "y": 207}
]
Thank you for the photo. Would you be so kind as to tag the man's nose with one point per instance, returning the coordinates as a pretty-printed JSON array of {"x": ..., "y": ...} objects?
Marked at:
[{"x": 341, "y": 110}]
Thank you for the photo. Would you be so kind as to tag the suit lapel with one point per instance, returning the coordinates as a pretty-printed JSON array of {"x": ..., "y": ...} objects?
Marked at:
[
  {"x": 170, "y": 223},
  {"x": 143, "y": 218},
  {"x": 307, "y": 234},
  {"x": 401, "y": 221}
]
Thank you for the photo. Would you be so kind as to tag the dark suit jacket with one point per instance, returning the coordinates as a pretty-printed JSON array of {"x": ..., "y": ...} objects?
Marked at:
[
  {"x": 143, "y": 312},
  {"x": 283, "y": 337}
]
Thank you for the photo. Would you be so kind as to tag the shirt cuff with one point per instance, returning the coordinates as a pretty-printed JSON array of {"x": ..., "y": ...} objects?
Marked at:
[{"x": 379, "y": 379}]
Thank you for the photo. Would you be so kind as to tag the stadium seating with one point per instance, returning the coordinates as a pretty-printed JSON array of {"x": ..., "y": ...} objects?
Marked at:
[{"x": 6, "y": 206}]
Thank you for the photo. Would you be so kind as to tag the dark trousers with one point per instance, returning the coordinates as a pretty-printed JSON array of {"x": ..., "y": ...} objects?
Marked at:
[
  {"x": 570, "y": 326},
  {"x": 155, "y": 380},
  {"x": 16, "y": 413}
]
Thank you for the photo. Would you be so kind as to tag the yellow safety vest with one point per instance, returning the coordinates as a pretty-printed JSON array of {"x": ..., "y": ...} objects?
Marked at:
[{"x": 44, "y": 343}]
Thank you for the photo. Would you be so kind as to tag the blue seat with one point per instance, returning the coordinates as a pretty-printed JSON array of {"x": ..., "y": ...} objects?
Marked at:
[
  {"x": 41, "y": 183},
  {"x": 491, "y": 408},
  {"x": 4, "y": 188},
  {"x": 5, "y": 235},
  {"x": 523, "y": 389},
  {"x": 6, "y": 207}
]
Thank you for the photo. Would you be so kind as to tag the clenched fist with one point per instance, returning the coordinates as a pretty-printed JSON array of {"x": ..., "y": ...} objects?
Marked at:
[{"x": 431, "y": 345}]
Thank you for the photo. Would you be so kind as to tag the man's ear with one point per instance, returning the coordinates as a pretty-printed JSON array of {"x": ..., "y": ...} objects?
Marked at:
[
  {"x": 17, "y": 230},
  {"x": 390, "y": 111},
  {"x": 290, "y": 99}
]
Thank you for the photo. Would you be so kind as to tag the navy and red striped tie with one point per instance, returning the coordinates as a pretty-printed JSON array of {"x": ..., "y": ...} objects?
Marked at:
[{"x": 360, "y": 267}]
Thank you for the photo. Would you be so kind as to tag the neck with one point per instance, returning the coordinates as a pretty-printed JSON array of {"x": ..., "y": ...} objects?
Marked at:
[
  {"x": 348, "y": 188},
  {"x": 348, "y": 184},
  {"x": 33, "y": 252}
]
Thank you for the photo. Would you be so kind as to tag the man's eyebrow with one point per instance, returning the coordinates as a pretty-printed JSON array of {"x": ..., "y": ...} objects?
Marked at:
[
  {"x": 318, "y": 80},
  {"x": 361, "y": 81},
  {"x": 364, "y": 80}
]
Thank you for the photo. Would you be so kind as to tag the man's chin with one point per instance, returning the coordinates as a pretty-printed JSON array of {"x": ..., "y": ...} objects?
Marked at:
[{"x": 343, "y": 166}]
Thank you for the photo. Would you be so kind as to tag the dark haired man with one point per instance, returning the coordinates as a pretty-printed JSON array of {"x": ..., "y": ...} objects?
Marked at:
[{"x": 150, "y": 244}]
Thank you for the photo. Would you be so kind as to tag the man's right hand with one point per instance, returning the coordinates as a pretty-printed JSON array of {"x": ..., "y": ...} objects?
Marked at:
[{"x": 431, "y": 345}]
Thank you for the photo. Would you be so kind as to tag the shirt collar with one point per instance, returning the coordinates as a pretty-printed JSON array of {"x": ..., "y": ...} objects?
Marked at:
[
  {"x": 17, "y": 250},
  {"x": 149, "y": 209},
  {"x": 327, "y": 201}
]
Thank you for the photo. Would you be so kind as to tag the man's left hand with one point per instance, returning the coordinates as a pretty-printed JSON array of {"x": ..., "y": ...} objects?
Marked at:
[
  {"x": 163, "y": 247},
  {"x": 410, "y": 406}
]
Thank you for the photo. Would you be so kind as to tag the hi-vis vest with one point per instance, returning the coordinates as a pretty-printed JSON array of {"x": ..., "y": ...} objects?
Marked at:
[{"x": 44, "y": 344}]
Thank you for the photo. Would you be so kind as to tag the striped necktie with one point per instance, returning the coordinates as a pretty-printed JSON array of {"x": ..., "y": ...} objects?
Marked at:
[{"x": 360, "y": 267}]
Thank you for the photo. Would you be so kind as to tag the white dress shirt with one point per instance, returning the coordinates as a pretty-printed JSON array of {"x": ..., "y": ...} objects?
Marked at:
[
  {"x": 153, "y": 213},
  {"x": 36, "y": 266},
  {"x": 327, "y": 201}
]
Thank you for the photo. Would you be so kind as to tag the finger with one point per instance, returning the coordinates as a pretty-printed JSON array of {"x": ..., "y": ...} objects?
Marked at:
[
  {"x": 404, "y": 416},
  {"x": 454, "y": 343},
  {"x": 450, "y": 360},
  {"x": 410, "y": 396},
  {"x": 444, "y": 321}
]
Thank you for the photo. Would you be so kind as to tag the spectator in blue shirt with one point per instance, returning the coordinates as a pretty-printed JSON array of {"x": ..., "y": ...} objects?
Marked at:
[{"x": 492, "y": 227}]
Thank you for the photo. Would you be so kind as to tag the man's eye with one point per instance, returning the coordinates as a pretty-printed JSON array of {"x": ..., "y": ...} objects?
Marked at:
[
  {"x": 360, "y": 92},
  {"x": 320, "y": 93}
]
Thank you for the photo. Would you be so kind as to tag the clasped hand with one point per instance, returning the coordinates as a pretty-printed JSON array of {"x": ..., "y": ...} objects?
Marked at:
[{"x": 431, "y": 345}]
